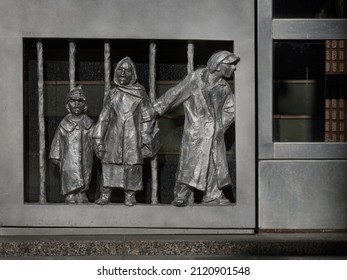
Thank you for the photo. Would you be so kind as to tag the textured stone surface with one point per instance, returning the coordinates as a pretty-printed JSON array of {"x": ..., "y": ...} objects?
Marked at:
[
  {"x": 303, "y": 248},
  {"x": 176, "y": 246},
  {"x": 60, "y": 248},
  {"x": 187, "y": 248}
]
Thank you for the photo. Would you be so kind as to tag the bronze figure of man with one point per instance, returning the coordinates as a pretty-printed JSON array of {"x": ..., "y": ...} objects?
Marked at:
[{"x": 209, "y": 108}]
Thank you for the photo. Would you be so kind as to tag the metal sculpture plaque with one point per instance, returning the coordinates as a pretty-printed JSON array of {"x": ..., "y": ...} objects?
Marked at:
[{"x": 125, "y": 134}]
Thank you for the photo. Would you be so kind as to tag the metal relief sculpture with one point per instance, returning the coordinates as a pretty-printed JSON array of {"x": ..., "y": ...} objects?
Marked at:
[
  {"x": 72, "y": 148},
  {"x": 209, "y": 110},
  {"x": 123, "y": 134}
]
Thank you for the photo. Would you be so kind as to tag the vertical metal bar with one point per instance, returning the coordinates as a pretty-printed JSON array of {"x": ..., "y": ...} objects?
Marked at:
[
  {"x": 42, "y": 144},
  {"x": 72, "y": 52},
  {"x": 190, "y": 54},
  {"x": 190, "y": 69},
  {"x": 152, "y": 77},
  {"x": 107, "y": 66}
]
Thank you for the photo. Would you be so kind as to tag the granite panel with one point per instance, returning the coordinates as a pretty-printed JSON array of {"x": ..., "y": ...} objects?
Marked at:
[
  {"x": 186, "y": 248},
  {"x": 263, "y": 246},
  {"x": 336, "y": 248},
  {"x": 60, "y": 248}
]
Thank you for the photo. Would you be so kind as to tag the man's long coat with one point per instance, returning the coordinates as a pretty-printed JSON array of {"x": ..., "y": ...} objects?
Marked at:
[{"x": 209, "y": 111}]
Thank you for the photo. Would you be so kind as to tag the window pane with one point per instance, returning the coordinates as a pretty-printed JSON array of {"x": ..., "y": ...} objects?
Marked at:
[
  {"x": 310, "y": 91},
  {"x": 310, "y": 9}
]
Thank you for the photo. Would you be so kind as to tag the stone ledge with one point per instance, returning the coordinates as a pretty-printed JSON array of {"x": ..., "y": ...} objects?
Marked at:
[{"x": 175, "y": 247}]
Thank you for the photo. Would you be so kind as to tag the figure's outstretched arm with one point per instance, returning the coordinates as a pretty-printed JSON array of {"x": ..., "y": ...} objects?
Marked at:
[{"x": 174, "y": 96}]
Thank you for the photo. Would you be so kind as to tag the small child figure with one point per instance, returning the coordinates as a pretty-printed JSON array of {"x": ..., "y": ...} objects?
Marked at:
[{"x": 72, "y": 148}]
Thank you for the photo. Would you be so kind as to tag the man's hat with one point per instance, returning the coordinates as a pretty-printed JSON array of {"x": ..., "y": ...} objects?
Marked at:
[
  {"x": 231, "y": 59},
  {"x": 219, "y": 57}
]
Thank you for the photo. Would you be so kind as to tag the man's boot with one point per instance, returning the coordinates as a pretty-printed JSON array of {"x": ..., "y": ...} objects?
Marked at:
[
  {"x": 181, "y": 194},
  {"x": 70, "y": 199}
]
